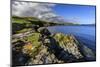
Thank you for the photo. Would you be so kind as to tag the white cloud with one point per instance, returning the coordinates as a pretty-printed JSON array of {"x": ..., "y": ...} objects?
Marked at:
[
  {"x": 30, "y": 8},
  {"x": 42, "y": 11}
]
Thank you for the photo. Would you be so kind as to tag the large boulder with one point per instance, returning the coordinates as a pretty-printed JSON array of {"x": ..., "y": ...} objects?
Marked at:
[{"x": 44, "y": 31}]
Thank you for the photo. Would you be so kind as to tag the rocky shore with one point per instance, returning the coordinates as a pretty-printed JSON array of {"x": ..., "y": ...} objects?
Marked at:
[{"x": 43, "y": 47}]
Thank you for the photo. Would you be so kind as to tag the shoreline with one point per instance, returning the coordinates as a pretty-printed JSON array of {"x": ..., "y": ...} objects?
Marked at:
[{"x": 62, "y": 48}]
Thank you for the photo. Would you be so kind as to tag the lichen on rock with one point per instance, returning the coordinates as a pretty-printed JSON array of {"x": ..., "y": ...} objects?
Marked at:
[{"x": 67, "y": 42}]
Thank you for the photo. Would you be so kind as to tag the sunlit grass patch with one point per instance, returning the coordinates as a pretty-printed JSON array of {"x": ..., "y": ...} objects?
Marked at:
[{"x": 33, "y": 45}]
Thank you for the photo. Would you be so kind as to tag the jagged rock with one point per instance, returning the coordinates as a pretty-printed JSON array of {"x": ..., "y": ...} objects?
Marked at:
[
  {"x": 55, "y": 48},
  {"x": 17, "y": 46},
  {"x": 18, "y": 57},
  {"x": 35, "y": 27},
  {"x": 44, "y": 31},
  {"x": 67, "y": 42},
  {"x": 47, "y": 41}
]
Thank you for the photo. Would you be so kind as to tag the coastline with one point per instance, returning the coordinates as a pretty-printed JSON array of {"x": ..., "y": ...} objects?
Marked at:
[{"x": 60, "y": 47}]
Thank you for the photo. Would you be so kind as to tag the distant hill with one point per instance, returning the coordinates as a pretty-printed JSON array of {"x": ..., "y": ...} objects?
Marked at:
[
  {"x": 87, "y": 24},
  {"x": 36, "y": 21}
]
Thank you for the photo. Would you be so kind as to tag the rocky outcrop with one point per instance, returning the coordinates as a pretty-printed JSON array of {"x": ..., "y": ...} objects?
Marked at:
[
  {"x": 76, "y": 48},
  {"x": 44, "y": 48},
  {"x": 44, "y": 57},
  {"x": 67, "y": 42}
]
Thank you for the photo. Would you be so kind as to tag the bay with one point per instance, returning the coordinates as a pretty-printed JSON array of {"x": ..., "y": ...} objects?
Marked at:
[{"x": 84, "y": 34}]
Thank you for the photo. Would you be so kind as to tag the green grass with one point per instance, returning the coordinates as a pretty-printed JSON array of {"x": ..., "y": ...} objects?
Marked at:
[
  {"x": 31, "y": 20},
  {"x": 19, "y": 20},
  {"x": 24, "y": 30},
  {"x": 34, "y": 39},
  {"x": 36, "y": 45}
]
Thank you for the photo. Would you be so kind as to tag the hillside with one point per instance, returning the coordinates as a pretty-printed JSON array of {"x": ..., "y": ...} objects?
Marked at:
[
  {"x": 34, "y": 20},
  {"x": 20, "y": 23}
]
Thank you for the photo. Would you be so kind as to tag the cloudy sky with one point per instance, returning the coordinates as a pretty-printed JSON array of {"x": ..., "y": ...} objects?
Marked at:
[{"x": 68, "y": 12}]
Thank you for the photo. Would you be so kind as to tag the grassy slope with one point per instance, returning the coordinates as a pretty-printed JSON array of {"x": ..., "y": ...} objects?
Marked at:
[{"x": 34, "y": 20}]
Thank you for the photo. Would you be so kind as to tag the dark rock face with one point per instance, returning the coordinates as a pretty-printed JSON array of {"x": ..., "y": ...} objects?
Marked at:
[
  {"x": 18, "y": 57},
  {"x": 36, "y": 27},
  {"x": 44, "y": 31}
]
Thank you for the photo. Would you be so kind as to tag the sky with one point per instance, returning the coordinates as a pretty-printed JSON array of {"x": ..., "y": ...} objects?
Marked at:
[
  {"x": 78, "y": 13},
  {"x": 69, "y": 12}
]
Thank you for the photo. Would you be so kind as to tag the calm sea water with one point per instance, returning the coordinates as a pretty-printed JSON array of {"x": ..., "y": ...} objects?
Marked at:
[{"x": 85, "y": 34}]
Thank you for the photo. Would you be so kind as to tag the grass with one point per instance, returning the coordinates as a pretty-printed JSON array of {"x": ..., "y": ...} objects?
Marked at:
[
  {"x": 24, "y": 30},
  {"x": 32, "y": 20},
  {"x": 20, "y": 21},
  {"x": 33, "y": 49}
]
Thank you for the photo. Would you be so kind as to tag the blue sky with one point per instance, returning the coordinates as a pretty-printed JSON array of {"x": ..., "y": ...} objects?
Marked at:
[{"x": 76, "y": 13}]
